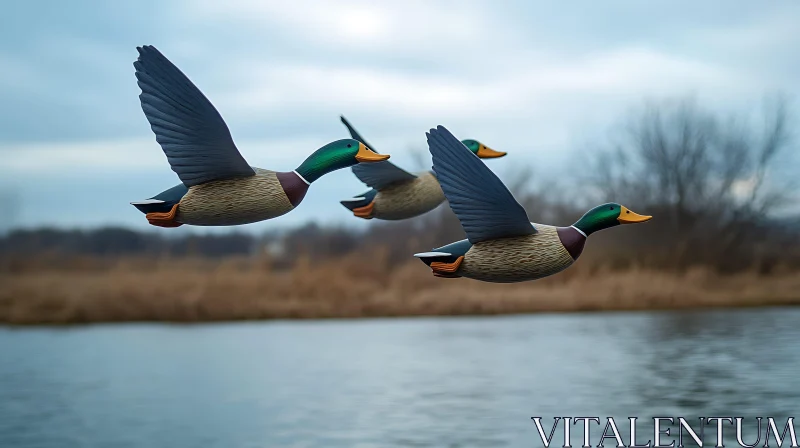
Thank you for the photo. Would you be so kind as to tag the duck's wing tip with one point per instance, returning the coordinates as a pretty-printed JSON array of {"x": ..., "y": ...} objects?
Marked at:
[
  {"x": 147, "y": 201},
  {"x": 432, "y": 254}
]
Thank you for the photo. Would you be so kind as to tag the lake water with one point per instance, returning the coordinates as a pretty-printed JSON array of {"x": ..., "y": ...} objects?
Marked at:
[{"x": 449, "y": 382}]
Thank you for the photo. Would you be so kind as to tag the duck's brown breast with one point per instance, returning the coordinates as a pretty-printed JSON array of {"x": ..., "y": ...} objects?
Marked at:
[
  {"x": 294, "y": 186},
  {"x": 572, "y": 240}
]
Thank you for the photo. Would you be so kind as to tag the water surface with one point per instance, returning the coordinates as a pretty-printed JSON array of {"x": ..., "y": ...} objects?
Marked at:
[{"x": 439, "y": 382}]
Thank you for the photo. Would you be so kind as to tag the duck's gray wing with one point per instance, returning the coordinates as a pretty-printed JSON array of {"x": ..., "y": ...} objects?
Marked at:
[
  {"x": 193, "y": 135},
  {"x": 377, "y": 174},
  {"x": 483, "y": 205}
]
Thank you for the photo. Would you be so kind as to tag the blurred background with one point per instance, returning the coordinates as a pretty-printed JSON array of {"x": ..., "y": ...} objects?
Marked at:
[{"x": 673, "y": 109}]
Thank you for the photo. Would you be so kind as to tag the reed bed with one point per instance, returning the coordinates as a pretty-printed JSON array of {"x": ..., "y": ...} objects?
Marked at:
[{"x": 202, "y": 290}]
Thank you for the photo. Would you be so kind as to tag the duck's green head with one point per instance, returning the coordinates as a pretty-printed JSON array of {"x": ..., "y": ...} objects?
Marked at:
[
  {"x": 481, "y": 150},
  {"x": 337, "y": 155},
  {"x": 607, "y": 215}
]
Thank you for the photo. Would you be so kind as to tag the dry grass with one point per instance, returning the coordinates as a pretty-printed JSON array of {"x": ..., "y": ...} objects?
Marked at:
[{"x": 189, "y": 290}]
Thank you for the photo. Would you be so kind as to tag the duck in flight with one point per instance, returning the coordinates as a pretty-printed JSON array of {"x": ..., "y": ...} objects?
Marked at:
[
  {"x": 218, "y": 187},
  {"x": 395, "y": 193},
  {"x": 502, "y": 245}
]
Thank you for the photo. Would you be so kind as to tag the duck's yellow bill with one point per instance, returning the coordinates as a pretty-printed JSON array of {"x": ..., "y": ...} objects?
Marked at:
[
  {"x": 628, "y": 217},
  {"x": 484, "y": 152},
  {"x": 366, "y": 155}
]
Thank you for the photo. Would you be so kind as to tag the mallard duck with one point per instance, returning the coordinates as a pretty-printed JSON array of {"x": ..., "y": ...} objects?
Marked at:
[
  {"x": 502, "y": 245},
  {"x": 219, "y": 187},
  {"x": 396, "y": 194}
]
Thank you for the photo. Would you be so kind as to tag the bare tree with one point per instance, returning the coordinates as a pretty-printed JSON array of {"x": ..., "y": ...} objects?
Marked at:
[{"x": 711, "y": 178}]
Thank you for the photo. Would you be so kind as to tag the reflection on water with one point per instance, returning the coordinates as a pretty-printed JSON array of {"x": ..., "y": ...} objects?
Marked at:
[{"x": 465, "y": 382}]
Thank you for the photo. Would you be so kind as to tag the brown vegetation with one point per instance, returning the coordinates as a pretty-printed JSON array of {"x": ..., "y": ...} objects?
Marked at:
[{"x": 200, "y": 290}]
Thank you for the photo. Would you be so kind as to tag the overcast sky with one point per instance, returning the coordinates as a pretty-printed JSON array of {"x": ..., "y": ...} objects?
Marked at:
[{"x": 535, "y": 79}]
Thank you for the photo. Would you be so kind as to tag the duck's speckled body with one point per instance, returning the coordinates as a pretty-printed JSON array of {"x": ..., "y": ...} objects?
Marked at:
[
  {"x": 395, "y": 193},
  {"x": 241, "y": 201},
  {"x": 218, "y": 187},
  {"x": 517, "y": 259},
  {"x": 511, "y": 259},
  {"x": 408, "y": 199},
  {"x": 502, "y": 245}
]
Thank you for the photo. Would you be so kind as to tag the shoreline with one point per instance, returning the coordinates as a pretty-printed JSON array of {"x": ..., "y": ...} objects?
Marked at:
[
  {"x": 179, "y": 323},
  {"x": 195, "y": 291}
]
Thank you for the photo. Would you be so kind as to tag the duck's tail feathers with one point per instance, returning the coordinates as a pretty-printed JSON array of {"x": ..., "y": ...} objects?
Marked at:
[
  {"x": 445, "y": 254},
  {"x": 152, "y": 206},
  {"x": 430, "y": 257},
  {"x": 359, "y": 201},
  {"x": 162, "y": 202}
]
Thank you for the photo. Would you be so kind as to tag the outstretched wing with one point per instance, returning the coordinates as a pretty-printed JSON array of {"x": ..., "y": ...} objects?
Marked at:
[
  {"x": 378, "y": 174},
  {"x": 193, "y": 135},
  {"x": 483, "y": 205}
]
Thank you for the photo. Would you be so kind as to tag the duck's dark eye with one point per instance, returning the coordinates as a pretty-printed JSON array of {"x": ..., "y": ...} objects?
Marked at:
[
  {"x": 349, "y": 145},
  {"x": 611, "y": 208}
]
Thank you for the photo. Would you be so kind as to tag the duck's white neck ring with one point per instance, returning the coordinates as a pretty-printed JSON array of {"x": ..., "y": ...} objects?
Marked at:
[
  {"x": 580, "y": 231},
  {"x": 301, "y": 177}
]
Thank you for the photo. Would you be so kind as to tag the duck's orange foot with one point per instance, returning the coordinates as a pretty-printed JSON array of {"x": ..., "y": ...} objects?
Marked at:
[
  {"x": 365, "y": 211},
  {"x": 164, "y": 219},
  {"x": 448, "y": 270}
]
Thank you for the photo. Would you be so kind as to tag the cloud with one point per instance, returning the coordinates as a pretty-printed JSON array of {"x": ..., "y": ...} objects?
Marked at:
[
  {"x": 299, "y": 87},
  {"x": 533, "y": 89},
  {"x": 93, "y": 155},
  {"x": 358, "y": 24},
  {"x": 71, "y": 88},
  {"x": 776, "y": 29}
]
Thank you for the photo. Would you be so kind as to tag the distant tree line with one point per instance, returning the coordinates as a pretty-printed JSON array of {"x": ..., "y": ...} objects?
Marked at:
[{"x": 113, "y": 241}]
